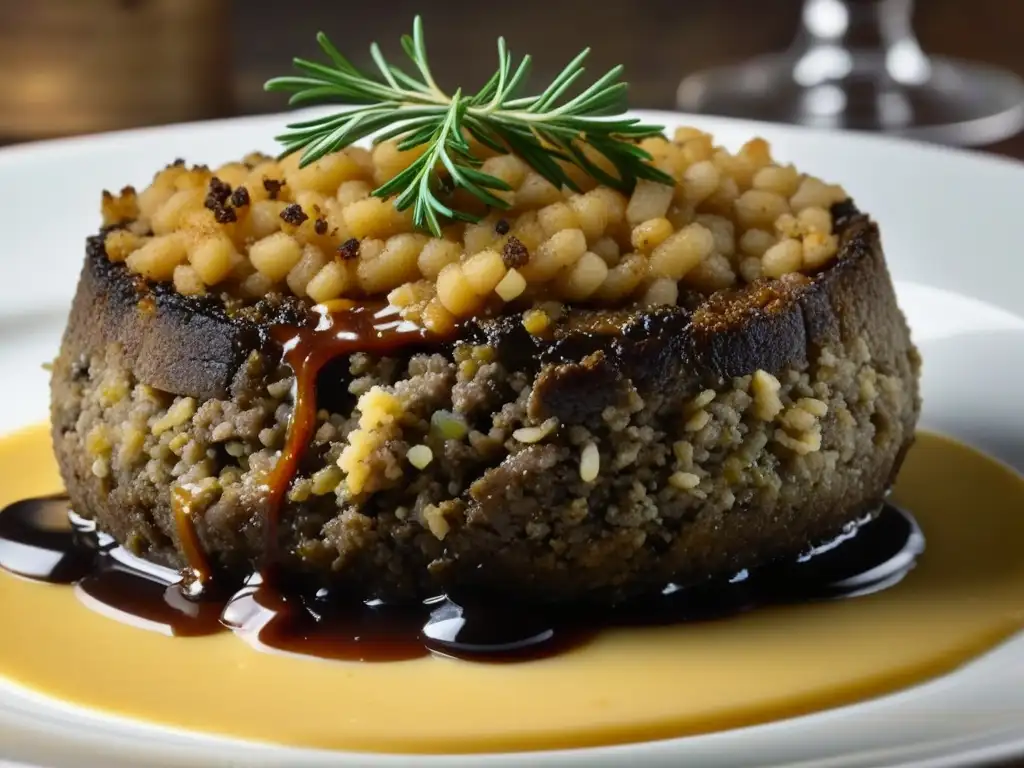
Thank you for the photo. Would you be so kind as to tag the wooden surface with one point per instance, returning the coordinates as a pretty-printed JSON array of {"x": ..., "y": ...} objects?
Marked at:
[{"x": 49, "y": 47}]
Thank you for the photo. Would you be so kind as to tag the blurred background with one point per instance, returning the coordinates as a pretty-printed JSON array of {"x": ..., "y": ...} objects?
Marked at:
[{"x": 80, "y": 66}]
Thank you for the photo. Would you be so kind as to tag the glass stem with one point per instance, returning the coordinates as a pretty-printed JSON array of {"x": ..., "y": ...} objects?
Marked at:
[{"x": 880, "y": 29}]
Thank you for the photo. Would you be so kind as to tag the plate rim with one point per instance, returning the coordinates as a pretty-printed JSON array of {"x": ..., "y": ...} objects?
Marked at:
[{"x": 52, "y": 149}]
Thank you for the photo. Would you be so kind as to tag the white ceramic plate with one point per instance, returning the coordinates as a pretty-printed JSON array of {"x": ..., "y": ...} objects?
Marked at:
[{"x": 951, "y": 224}]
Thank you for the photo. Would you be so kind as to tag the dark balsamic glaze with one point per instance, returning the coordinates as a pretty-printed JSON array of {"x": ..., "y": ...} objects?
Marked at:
[
  {"x": 40, "y": 539},
  {"x": 365, "y": 327},
  {"x": 128, "y": 593},
  {"x": 197, "y": 575}
]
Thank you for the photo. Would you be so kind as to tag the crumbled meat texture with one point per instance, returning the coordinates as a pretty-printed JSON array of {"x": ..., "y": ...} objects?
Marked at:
[
  {"x": 501, "y": 227},
  {"x": 349, "y": 249},
  {"x": 294, "y": 214},
  {"x": 273, "y": 187},
  {"x": 514, "y": 254},
  {"x": 240, "y": 197},
  {"x": 320, "y": 226},
  {"x": 519, "y": 510}
]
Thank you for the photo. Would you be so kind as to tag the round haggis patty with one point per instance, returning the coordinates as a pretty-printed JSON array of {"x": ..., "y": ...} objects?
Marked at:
[{"x": 610, "y": 454}]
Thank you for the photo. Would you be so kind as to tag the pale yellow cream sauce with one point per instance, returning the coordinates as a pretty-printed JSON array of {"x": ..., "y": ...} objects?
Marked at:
[{"x": 965, "y": 596}]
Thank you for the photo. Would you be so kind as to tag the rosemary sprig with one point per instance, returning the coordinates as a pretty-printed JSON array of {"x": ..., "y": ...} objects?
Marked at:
[{"x": 542, "y": 130}]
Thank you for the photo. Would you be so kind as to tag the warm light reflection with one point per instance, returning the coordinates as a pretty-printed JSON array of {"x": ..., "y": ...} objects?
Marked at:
[
  {"x": 825, "y": 101},
  {"x": 907, "y": 64},
  {"x": 826, "y": 18},
  {"x": 42, "y": 86},
  {"x": 821, "y": 64}
]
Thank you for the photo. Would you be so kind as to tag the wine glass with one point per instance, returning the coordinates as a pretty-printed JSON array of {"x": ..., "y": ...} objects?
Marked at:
[{"x": 856, "y": 64}]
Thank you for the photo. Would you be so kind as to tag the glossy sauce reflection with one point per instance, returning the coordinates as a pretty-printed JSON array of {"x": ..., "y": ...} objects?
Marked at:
[
  {"x": 341, "y": 331},
  {"x": 871, "y": 555},
  {"x": 961, "y": 598}
]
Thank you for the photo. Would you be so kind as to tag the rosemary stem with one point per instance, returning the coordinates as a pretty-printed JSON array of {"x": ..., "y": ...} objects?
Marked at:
[{"x": 547, "y": 131}]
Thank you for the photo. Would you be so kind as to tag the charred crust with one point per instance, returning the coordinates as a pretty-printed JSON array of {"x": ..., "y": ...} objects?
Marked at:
[
  {"x": 189, "y": 345},
  {"x": 578, "y": 392},
  {"x": 195, "y": 345}
]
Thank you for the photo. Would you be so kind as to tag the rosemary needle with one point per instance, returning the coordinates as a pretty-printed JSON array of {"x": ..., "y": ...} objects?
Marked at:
[{"x": 545, "y": 130}]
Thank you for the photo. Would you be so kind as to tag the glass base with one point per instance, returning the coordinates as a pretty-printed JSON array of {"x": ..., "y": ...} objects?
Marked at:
[{"x": 955, "y": 102}]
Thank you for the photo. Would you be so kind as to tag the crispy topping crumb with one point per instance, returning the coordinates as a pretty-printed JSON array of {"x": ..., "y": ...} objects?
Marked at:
[
  {"x": 273, "y": 187},
  {"x": 216, "y": 200},
  {"x": 349, "y": 249},
  {"x": 294, "y": 214},
  {"x": 240, "y": 197},
  {"x": 218, "y": 191},
  {"x": 225, "y": 215},
  {"x": 730, "y": 221},
  {"x": 514, "y": 254},
  {"x": 536, "y": 321},
  {"x": 420, "y": 456}
]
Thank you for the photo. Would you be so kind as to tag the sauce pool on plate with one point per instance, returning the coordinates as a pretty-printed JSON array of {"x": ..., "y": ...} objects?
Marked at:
[{"x": 690, "y": 661}]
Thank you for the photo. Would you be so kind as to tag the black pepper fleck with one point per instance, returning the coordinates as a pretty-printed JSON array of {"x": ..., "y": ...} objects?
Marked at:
[
  {"x": 273, "y": 187},
  {"x": 501, "y": 227},
  {"x": 320, "y": 226},
  {"x": 349, "y": 249},
  {"x": 294, "y": 214},
  {"x": 240, "y": 197},
  {"x": 514, "y": 254}
]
